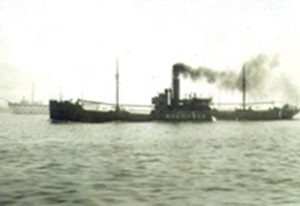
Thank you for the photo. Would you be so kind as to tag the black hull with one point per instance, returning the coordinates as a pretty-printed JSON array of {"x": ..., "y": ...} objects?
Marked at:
[
  {"x": 179, "y": 116},
  {"x": 256, "y": 115},
  {"x": 69, "y": 112}
]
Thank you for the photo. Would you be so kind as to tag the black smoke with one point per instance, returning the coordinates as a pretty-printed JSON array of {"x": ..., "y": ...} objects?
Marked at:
[
  {"x": 196, "y": 74},
  {"x": 259, "y": 72}
]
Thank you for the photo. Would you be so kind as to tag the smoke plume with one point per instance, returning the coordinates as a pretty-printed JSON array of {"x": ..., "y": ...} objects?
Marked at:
[
  {"x": 259, "y": 72},
  {"x": 196, "y": 74}
]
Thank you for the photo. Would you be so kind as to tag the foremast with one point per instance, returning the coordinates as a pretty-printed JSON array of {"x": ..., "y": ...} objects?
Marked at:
[
  {"x": 117, "y": 86},
  {"x": 244, "y": 86}
]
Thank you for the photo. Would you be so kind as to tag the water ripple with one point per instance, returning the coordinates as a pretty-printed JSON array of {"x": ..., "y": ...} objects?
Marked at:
[{"x": 229, "y": 163}]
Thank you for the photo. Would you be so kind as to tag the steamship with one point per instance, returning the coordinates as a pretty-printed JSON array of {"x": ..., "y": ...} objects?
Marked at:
[
  {"x": 247, "y": 113},
  {"x": 167, "y": 106}
]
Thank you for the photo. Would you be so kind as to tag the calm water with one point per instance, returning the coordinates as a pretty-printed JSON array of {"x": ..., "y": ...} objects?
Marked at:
[{"x": 222, "y": 163}]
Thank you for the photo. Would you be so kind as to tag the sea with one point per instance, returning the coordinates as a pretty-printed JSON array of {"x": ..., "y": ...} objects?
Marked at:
[{"x": 148, "y": 164}]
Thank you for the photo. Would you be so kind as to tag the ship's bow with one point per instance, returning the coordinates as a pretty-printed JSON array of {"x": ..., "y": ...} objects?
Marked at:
[{"x": 63, "y": 111}]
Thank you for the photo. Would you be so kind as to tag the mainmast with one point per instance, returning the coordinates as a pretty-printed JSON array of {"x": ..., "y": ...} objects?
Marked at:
[
  {"x": 117, "y": 86},
  {"x": 244, "y": 86}
]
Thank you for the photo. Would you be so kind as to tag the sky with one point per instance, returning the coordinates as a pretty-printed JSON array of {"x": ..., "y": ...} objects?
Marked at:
[{"x": 70, "y": 47}]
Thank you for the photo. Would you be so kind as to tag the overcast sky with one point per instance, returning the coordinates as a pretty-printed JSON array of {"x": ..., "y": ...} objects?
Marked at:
[{"x": 72, "y": 45}]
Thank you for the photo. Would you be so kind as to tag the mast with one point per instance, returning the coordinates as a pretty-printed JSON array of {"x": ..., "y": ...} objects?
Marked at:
[
  {"x": 244, "y": 87},
  {"x": 82, "y": 88},
  {"x": 60, "y": 95},
  {"x": 32, "y": 92},
  {"x": 117, "y": 86}
]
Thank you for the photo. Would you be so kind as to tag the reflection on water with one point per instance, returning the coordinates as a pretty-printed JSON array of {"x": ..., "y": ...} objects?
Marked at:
[{"x": 221, "y": 163}]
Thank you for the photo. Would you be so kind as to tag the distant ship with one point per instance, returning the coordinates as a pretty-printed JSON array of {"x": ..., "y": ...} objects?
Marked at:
[
  {"x": 25, "y": 107},
  {"x": 167, "y": 106},
  {"x": 28, "y": 107},
  {"x": 247, "y": 113}
]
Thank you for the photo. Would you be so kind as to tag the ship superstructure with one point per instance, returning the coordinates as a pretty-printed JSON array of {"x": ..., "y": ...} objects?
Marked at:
[{"x": 168, "y": 105}]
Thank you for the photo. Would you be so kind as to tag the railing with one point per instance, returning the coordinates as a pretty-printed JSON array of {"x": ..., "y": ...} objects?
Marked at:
[{"x": 113, "y": 104}]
